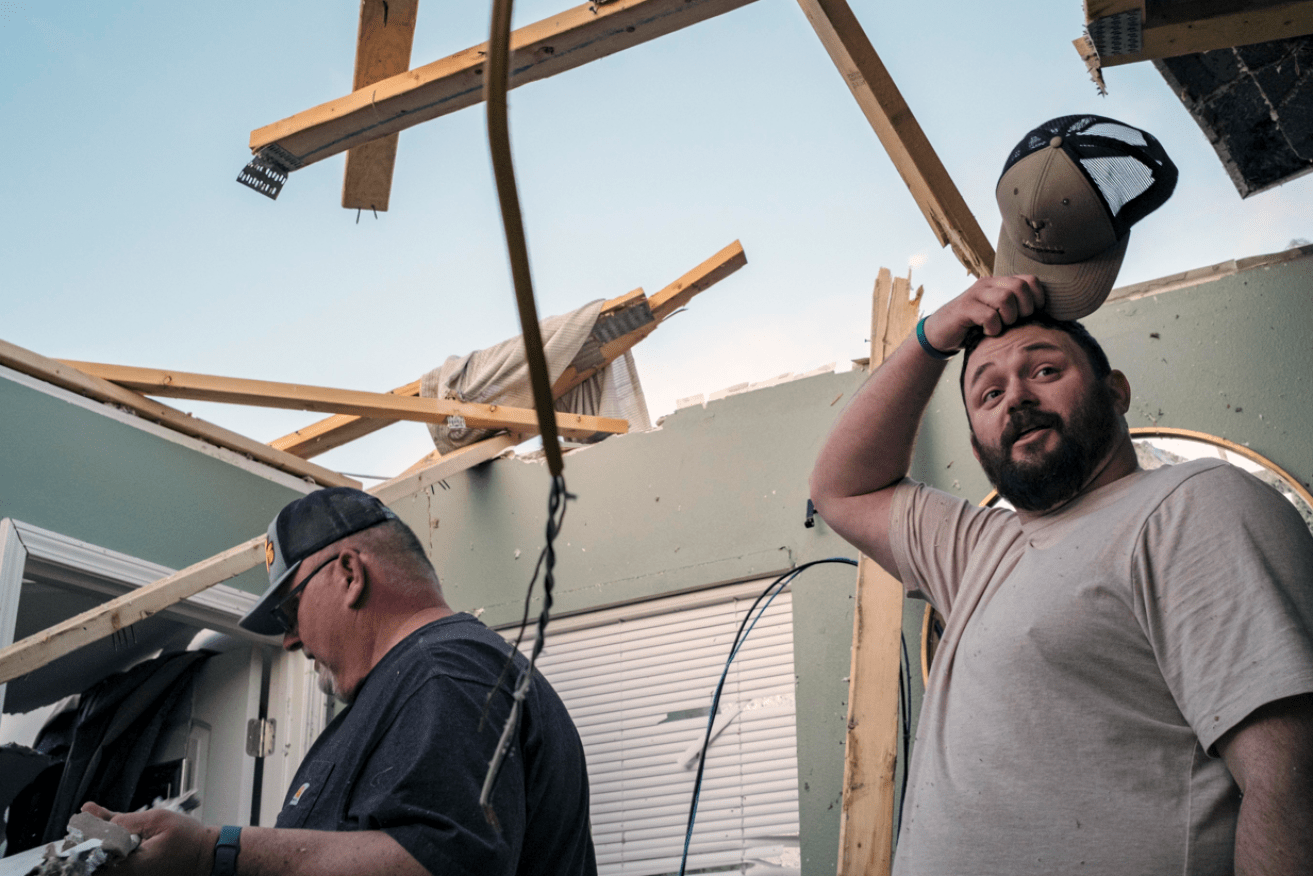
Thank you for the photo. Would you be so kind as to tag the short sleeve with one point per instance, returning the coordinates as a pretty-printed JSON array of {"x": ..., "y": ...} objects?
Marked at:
[
  {"x": 421, "y": 784},
  {"x": 934, "y": 536},
  {"x": 1223, "y": 573}
]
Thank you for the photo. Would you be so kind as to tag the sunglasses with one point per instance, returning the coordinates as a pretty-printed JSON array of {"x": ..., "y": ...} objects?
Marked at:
[{"x": 285, "y": 617}]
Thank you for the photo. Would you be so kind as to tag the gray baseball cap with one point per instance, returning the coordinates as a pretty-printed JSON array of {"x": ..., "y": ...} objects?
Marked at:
[{"x": 304, "y": 527}]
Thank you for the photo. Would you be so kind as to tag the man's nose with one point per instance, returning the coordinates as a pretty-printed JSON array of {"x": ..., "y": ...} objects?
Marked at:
[
  {"x": 1019, "y": 396},
  {"x": 291, "y": 642}
]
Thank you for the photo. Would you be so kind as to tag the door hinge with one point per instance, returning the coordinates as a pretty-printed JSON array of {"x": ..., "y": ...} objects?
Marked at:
[{"x": 260, "y": 736}]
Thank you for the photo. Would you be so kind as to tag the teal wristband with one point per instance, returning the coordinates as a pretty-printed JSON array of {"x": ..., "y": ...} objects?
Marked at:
[
  {"x": 225, "y": 851},
  {"x": 930, "y": 349}
]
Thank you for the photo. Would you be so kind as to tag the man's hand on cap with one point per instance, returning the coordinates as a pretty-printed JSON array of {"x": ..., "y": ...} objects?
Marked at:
[{"x": 992, "y": 303}]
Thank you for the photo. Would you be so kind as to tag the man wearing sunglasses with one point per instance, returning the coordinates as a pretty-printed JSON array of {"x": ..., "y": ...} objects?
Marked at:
[{"x": 392, "y": 785}]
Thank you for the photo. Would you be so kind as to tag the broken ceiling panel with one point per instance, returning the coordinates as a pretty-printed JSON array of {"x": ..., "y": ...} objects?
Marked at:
[{"x": 1255, "y": 105}]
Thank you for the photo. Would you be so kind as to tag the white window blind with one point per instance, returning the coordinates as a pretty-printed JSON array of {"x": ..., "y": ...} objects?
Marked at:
[{"x": 639, "y": 689}]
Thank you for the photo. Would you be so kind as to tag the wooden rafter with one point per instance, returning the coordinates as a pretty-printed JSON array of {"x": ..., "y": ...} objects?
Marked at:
[
  {"x": 269, "y": 394},
  {"x": 335, "y": 431},
  {"x": 387, "y": 30},
  {"x": 915, "y": 159},
  {"x": 1167, "y": 30},
  {"x": 68, "y": 377},
  {"x": 545, "y": 48}
]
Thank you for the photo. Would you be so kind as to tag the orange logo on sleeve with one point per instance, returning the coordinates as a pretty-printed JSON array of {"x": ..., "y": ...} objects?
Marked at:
[{"x": 268, "y": 554}]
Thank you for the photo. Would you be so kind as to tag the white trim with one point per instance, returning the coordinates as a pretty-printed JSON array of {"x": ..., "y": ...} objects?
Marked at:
[
  {"x": 661, "y": 604},
  {"x": 12, "y": 559},
  {"x": 222, "y": 454},
  {"x": 100, "y": 569}
]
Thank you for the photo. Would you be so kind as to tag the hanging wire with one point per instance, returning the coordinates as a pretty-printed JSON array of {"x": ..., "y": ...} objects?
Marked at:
[
  {"x": 556, "y": 502},
  {"x": 749, "y": 621},
  {"x": 499, "y": 143}
]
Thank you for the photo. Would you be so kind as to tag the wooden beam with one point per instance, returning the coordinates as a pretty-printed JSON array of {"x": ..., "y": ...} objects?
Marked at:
[
  {"x": 324, "y": 435},
  {"x": 545, "y": 48},
  {"x": 67, "y": 636},
  {"x": 932, "y": 188},
  {"x": 387, "y": 30},
  {"x": 698, "y": 280},
  {"x": 69, "y": 377},
  {"x": 662, "y": 305},
  {"x": 335, "y": 431},
  {"x": 1229, "y": 24},
  {"x": 430, "y": 471},
  {"x": 866, "y": 818},
  {"x": 269, "y": 394},
  {"x": 63, "y": 638}
]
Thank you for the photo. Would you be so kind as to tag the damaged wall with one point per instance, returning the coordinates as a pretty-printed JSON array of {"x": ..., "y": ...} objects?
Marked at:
[
  {"x": 91, "y": 472},
  {"x": 719, "y": 493}
]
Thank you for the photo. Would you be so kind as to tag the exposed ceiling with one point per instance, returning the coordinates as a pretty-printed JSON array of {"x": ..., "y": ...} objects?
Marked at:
[{"x": 1242, "y": 68}]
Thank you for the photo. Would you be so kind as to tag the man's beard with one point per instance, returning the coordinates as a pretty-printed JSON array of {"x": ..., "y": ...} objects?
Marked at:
[
  {"x": 1043, "y": 481},
  {"x": 328, "y": 685}
]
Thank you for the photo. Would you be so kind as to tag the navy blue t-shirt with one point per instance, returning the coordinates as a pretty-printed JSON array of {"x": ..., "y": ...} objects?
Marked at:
[{"x": 408, "y": 757}]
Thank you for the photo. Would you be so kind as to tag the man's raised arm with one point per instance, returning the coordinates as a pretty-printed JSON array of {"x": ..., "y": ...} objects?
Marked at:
[{"x": 870, "y": 449}]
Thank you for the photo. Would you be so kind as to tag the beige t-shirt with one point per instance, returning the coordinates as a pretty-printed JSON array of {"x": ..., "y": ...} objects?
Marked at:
[{"x": 1091, "y": 660}]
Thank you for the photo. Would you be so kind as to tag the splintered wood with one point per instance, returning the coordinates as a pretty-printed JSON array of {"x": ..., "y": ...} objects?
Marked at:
[
  {"x": 387, "y": 30},
  {"x": 871, "y": 746}
]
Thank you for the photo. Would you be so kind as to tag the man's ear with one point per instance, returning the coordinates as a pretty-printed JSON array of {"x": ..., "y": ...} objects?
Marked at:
[
  {"x": 357, "y": 578},
  {"x": 1120, "y": 388}
]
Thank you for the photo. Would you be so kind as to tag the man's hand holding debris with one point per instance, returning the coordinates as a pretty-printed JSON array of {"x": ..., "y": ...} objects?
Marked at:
[{"x": 177, "y": 845}]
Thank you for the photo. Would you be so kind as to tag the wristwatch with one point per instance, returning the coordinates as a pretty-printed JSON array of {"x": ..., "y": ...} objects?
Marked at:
[{"x": 225, "y": 851}]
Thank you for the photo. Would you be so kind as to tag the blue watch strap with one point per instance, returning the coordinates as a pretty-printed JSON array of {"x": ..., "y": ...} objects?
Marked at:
[{"x": 225, "y": 851}]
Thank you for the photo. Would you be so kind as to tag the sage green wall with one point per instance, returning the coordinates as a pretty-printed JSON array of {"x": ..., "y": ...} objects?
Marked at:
[
  {"x": 89, "y": 476},
  {"x": 718, "y": 494}
]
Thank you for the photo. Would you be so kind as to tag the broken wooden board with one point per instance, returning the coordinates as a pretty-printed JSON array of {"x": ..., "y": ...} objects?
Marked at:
[
  {"x": 387, "y": 31},
  {"x": 267, "y": 393},
  {"x": 556, "y": 44},
  {"x": 67, "y": 636},
  {"x": 324, "y": 435},
  {"x": 662, "y": 305},
  {"x": 915, "y": 159},
  {"x": 335, "y": 431},
  {"x": 69, "y": 377},
  {"x": 866, "y": 820},
  {"x": 434, "y": 468},
  {"x": 1128, "y": 31}
]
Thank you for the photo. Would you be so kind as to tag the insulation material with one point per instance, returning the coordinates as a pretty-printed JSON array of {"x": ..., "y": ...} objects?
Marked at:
[
  {"x": 1255, "y": 105},
  {"x": 500, "y": 375}
]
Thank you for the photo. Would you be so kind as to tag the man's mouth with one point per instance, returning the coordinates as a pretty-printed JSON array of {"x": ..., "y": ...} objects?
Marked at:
[{"x": 1023, "y": 428}]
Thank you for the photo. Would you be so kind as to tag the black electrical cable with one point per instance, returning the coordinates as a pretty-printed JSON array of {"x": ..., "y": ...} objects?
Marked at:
[
  {"x": 749, "y": 621},
  {"x": 905, "y": 721},
  {"x": 556, "y": 504},
  {"x": 499, "y": 144},
  {"x": 496, "y": 78}
]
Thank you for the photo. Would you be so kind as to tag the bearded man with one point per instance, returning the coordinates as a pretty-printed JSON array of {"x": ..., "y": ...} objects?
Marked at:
[{"x": 1125, "y": 681}]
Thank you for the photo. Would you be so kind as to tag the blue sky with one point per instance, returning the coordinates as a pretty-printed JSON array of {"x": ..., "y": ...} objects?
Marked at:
[{"x": 126, "y": 239}]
